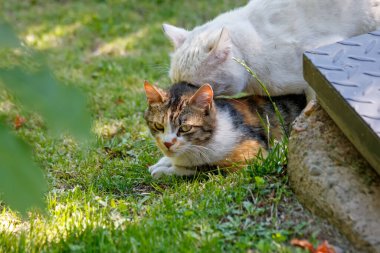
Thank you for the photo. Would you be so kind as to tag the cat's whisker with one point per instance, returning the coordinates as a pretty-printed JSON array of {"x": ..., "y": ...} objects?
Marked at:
[
  {"x": 195, "y": 153},
  {"x": 205, "y": 155},
  {"x": 192, "y": 155},
  {"x": 202, "y": 150},
  {"x": 203, "y": 147}
]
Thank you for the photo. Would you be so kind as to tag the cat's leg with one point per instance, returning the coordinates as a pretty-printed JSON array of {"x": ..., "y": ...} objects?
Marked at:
[
  {"x": 164, "y": 161},
  {"x": 165, "y": 167},
  {"x": 182, "y": 171}
]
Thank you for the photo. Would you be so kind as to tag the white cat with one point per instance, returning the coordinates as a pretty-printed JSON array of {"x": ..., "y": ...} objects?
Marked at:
[{"x": 270, "y": 36}]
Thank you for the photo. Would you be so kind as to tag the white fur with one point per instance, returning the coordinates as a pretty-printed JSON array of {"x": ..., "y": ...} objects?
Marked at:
[
  {"x": 222, "y": 142},
  {"x": 270, "y": 36},
  {"x": 165, "y": 167}
]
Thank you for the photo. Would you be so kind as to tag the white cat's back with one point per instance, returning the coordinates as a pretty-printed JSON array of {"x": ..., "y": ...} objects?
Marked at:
[
  {"x": 270, "y": 36},
  {"x": 289, "y": 27},
  {"x": 309, "y": 20},
  {"x": 226, "y": 19}
]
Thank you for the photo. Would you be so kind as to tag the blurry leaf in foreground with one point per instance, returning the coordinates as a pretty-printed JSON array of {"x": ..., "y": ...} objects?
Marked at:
[
  {"x": 63, "y": 107},
  {"x": 8, "y": 39},
  {"x": 22, "y": 184}
]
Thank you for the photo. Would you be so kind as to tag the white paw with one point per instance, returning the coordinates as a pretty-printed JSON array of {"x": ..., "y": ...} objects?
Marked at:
[
  {"x": 159, "y": 171},
  {"x": 163, "y": 162},
  {"x": 163, "y": 166}
]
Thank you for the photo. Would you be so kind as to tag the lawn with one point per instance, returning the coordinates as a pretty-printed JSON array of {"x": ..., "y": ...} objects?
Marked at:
[{"x": 101, "y": 197}]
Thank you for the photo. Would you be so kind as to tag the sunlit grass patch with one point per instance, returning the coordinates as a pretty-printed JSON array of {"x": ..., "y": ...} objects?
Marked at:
[
  {"x": 122, "y": 46},
  {"x": 49, "y": 39}
]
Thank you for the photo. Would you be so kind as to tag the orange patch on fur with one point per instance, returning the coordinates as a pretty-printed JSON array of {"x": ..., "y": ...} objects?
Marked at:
[
  {"x": 275, "y": 128},
  {"x": 243, "y": 108},
  {"x": 252, "y": 119},
  {"x": 244, "y": 152}
]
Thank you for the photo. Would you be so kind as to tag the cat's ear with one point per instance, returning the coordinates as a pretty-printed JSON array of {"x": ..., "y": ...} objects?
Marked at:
[
  {"x": 176, "y": 35},
  {"x": 153, "y": 94},
  {"x": 203, "y": 97},
  {"x": 222, "y": 46}
]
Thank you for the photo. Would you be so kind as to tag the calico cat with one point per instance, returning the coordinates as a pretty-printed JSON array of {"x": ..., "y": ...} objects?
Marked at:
[
  {"x": 270, "y": 37},
  {"x": 193, "y": 130}
]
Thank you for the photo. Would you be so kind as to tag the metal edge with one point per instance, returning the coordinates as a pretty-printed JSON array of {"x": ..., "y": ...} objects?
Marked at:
[{"x": 365, "y": 142}]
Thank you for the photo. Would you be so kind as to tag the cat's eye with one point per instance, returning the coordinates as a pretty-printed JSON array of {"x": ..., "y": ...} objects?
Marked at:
[
  {"x": 185, "y": 128},
  {"x": 158, "y": 126}
]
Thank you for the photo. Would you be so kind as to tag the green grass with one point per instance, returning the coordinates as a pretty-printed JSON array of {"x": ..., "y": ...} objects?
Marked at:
[{"x": 101, "y": 196}]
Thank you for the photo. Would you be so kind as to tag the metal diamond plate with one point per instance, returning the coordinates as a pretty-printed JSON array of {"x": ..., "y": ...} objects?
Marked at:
[{"x": 346, "y": 78}]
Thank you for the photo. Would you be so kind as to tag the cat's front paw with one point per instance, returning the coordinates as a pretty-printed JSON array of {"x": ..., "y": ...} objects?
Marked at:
[
  {"x": 160, "y": 171},
  {"x": 162, "y": 167},
  {"x": 165, "y": 167}
]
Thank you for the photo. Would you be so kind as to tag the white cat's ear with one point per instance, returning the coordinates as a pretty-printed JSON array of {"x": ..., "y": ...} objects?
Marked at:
[
  {"x": 203, "y": 97},
  {"x": 153, "y": 94},
  {"x": 176, "y": 35},
  {"x": 222, "y": 47}
]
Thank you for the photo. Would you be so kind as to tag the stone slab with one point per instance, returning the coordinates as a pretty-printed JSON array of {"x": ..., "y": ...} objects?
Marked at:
[{"x": 332, "y": 179}]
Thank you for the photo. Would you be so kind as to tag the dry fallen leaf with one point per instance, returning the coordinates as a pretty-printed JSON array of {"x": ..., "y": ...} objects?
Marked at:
[
  {"x": 305, "y": 244},
  {"x": 18, "y": 122},
  {"x": 324, "y": 248},
  {"x": 119, "y": 101}
]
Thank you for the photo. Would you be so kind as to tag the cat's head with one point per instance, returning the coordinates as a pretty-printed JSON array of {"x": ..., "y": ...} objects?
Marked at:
[
  {"x": 181, "y": 118},
  {"x": 204, "y": 56}
]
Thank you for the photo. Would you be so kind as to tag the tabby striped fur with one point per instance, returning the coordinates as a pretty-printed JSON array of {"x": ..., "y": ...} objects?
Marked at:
[{"x": 194, "y": 130}]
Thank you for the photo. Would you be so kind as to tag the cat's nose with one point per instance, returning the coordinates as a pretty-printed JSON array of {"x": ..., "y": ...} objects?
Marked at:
[{"x": 168, "y": 144}]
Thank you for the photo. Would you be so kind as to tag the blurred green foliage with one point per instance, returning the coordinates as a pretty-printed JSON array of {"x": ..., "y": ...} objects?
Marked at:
[
  {"x": 7, "y": 38},
  {"x": 21, "y": 181},
  {"x": 63, "y": 107}
]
